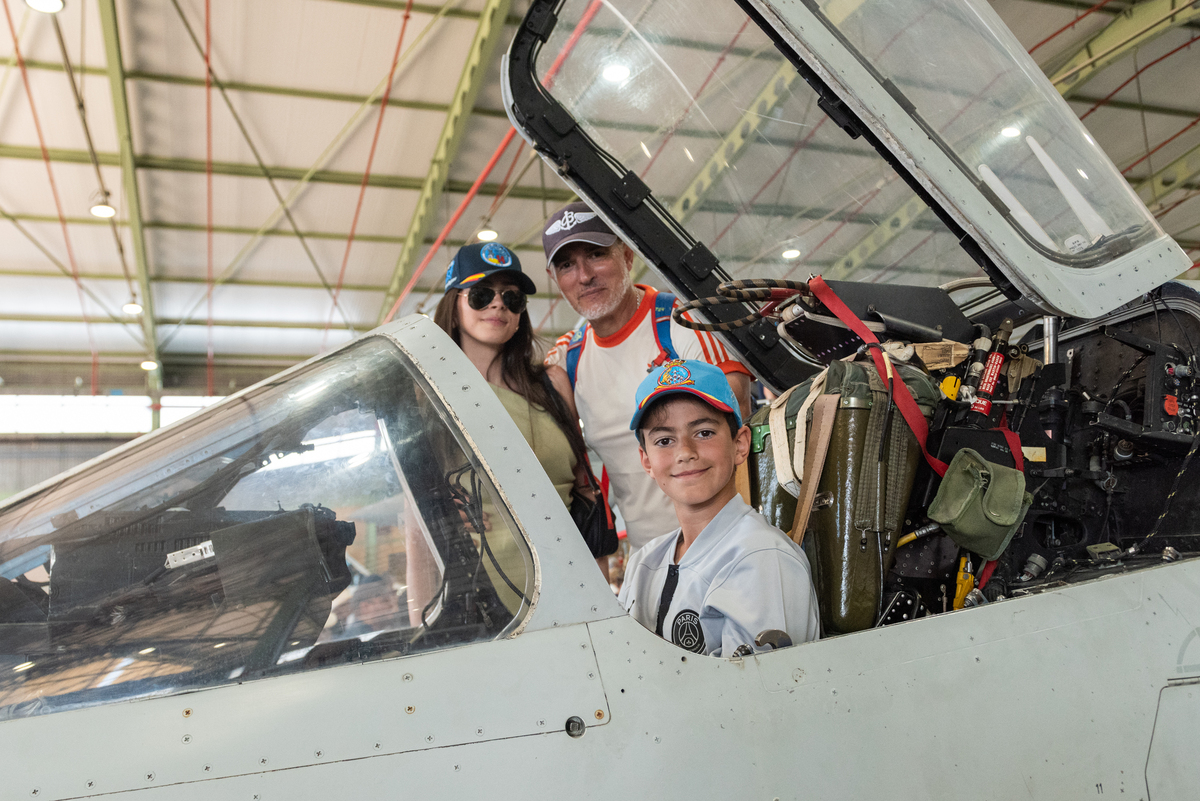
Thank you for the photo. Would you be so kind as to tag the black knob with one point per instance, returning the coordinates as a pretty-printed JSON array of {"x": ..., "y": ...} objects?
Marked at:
[{"x": 575, "y": 727}]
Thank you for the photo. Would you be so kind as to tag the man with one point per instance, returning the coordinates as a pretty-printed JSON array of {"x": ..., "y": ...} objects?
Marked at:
[{"x": 629, "y": 331}]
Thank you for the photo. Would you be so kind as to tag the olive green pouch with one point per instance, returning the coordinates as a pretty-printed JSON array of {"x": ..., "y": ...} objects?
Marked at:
[{"x": 980, "y": 504}]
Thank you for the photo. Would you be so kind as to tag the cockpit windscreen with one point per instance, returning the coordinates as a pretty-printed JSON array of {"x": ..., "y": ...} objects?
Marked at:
[{"x": 334, "y": 514}]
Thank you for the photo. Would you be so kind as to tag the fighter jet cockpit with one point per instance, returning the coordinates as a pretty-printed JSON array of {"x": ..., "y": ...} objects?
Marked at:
[
  {"x": 221, "y": 550},
  {"x": 852, "y": 192}
]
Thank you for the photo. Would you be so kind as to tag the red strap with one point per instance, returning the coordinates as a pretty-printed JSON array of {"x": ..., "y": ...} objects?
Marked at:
[
  {"x": 903, "y": 398},
  {"x": 986, "y": 574},
  {"x": 1014, "y": 445},
  {"x": 1014, "y": 442}
]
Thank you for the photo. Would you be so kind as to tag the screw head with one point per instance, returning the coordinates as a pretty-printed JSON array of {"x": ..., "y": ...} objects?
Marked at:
[
  {"x": 187, "y": 738},
  {"x": 429, "y": 738},
  {"x": 410, "y": 709},
  {"x": 208, "y": 768},
  {"x": 407, "y": 677},
  {"x": 318, "y": 754},
  {"x": 378, "y": 746},
  {"x": 35, "y": 792},
  {"x": 262, "y": 761},
  {"x": 599, "y": 714},
  {"x": 187, "y": 713},
  {"x": 91, "y": 784},
  {"x": 149, "y": 777}
]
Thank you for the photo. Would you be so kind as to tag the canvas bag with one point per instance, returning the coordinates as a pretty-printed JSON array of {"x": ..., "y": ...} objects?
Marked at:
[{"x": 980, "y": 504}]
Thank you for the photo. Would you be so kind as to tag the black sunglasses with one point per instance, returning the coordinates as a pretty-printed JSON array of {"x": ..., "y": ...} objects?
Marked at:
[{"x": 480, "y": 297}]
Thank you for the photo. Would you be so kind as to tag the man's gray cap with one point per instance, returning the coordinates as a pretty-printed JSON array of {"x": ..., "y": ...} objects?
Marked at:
[{"x": 575, "y": 222}]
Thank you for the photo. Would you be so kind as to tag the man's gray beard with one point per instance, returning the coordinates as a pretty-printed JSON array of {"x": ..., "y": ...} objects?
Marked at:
[{"x": 600, "y": 312}]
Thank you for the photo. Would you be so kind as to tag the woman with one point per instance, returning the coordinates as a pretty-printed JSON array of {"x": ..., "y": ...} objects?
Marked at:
[{"x": 484, "y": 311}]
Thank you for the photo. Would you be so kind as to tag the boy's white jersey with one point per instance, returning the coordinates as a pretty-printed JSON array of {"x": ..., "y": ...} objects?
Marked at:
[
  {"x": 739, "y": 578},
  {"x": 606, "y": 381}
]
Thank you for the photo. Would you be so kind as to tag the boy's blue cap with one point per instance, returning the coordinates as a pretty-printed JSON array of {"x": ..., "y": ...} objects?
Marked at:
[
  {"x": 699, "y": 379},
  {"x": 473, "y": 263}
]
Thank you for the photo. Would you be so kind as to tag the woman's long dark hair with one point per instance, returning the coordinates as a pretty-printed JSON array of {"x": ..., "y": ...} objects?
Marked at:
[{"x": 520, "y": 367}]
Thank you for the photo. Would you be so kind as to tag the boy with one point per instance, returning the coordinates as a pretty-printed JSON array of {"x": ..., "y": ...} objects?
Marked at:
[{"x": 726, "y": 574}]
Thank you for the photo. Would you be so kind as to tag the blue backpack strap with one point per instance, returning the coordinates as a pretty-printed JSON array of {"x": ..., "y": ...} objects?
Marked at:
[
  {"x": 575, "y": 350},
  {"x": 664, "y": 303}
]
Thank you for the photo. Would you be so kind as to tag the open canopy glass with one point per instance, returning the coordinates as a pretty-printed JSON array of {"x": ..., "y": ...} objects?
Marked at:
[{"x": 943, "y": 108}]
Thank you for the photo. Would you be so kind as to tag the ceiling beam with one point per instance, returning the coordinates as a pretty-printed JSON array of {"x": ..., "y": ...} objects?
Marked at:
[
  {"x": 245, "y": 231},
  {"x": 479, "y": 55},
  {"x": 315, "y": 325},
  {"x": 181, "y": 279},
  {"x": 133, "y": 204},
  {"x": 84, "y": 359},
  {"x": 308, "y": 94},
  {"x": 52, "y": 66},
  {"x": 1133, "y": 28},
  {"x": 246, "y": 170},
  {"x": 425, "y": 8},
  {"x": 1125, "y": 105}
]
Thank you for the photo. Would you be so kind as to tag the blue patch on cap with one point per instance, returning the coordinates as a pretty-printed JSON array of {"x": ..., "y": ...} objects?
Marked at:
[
  {"x": 450, "y": 273},
  {"x": 496, "y": 254}
]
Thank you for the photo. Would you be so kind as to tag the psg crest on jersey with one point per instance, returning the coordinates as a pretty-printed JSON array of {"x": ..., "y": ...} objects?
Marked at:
[
  {"x": 496, "y": 254},
  {"x": 675, "y": 374},
  {"x": 687, "y": 633}
]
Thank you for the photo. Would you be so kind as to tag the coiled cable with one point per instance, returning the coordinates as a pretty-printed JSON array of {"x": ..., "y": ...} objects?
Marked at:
[{"x": 774, "y": 291}]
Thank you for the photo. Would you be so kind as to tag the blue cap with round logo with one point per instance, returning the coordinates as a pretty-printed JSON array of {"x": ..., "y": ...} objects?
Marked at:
[
  {"x": 475, "y": 262},
  {"x": 699, "y": 379}
]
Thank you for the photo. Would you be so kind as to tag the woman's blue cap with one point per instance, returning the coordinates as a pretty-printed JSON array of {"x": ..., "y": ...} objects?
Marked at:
[
  {"x": 698, "y": 379},
  {"x": 473, "y": 263}
]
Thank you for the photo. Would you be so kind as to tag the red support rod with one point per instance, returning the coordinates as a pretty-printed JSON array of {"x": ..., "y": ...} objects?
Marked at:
[
  {"x": 62, "y": 219},
  {"x": 362, "y": 190},
  {"x": 588, "y": 14}
]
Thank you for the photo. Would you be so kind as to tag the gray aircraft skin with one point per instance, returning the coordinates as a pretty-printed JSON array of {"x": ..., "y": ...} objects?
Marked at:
[{"x": 171, "y": 619}]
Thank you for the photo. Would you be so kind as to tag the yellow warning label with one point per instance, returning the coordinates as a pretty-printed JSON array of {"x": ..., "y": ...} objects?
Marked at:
[{"x": 1034, "y": 454}]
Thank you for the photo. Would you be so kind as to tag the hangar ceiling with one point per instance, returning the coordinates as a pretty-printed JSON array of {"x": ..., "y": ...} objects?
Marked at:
[{"x": 281, "y": 207}]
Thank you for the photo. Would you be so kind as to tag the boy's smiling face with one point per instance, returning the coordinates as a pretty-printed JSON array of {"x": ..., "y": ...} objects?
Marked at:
[{"x": 690, "y": 453}]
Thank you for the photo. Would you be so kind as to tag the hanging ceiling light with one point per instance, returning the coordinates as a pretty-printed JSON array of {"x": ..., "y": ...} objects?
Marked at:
[
  {"x": 149, "y": 365},
  {"x": 132, "y": 308},
  {"x": 45, "y": 6},
  {"x": 101, "y": 207},
  {"x": 487, "y": 235}
]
